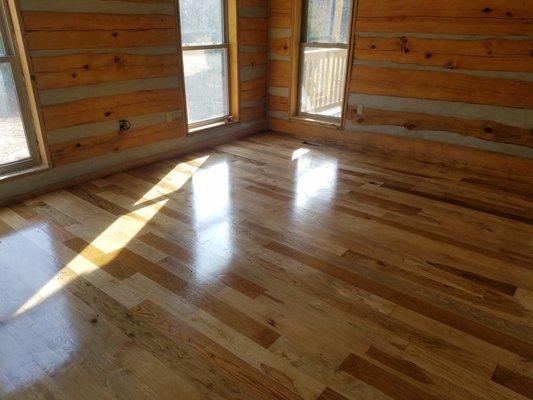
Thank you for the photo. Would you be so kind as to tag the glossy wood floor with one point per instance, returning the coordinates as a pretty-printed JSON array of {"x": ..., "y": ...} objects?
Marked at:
[{"x": 267, "y": 269}]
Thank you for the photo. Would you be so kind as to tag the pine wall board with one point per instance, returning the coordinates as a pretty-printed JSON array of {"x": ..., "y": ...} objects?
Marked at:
[
  {"x": 445, "y": 71},
  {"x": 94, "y": 62}
]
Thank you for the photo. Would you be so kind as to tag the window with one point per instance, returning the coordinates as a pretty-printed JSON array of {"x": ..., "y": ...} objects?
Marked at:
[
  {"x": 324, "y": 58},
  {"x": 18, "y": 145},
  {"x": 205, "y": 45}
]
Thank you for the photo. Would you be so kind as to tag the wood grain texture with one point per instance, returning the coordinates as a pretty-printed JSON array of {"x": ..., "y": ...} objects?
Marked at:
[
  {"x": 88, "y": 69},
  {"x": 266, "y": 268},
  {"x": 508, "y": 167},
  {"x": 111, "y": 107},
  {"x": 486, "y": 130},
  {"x": 380, "y": 378},
  {"x": 478, "y": 53},
  {"x": 65, "y": 21},
  {"x": 279, "y": 73},
  {"x": 114, "y": 60},
  {"x": 48, "y": 30},
  {"x": 79, "y": 150},
  {"x": 479, "y": 17},
  {"x": 489, "y": 54},
  {"x": 514, "y": 381},
  {"x": 441, "y": 86},
  {"x": 253, "y": 58},
  {"x": 279, "y": 14},
  {"x": 253, "y": 90}
]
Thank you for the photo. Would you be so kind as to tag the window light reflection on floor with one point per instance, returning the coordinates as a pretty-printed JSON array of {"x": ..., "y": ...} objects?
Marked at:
[
  {"x": 314, "y": 178},
  {"x": 298, "y": 153},
  {"x": 116, "y": 236},
  {"x": 212, "y": 189}
]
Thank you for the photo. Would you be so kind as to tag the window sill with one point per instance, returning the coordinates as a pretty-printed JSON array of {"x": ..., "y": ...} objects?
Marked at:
[
  {"x": 12, "y": 176},
  {"x": 206, "y": 128},
  {"x": 315, "y": 121}
]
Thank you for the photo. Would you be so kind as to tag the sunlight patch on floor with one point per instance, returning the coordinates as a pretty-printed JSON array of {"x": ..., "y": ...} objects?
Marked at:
[
  {"x": 314, "y": 177},
  {"x": 298, "y": 153},
  {"x": 212, "y": 206},
  {"x": 115, "y": 237},
  {"x": 176, "y": 178}
]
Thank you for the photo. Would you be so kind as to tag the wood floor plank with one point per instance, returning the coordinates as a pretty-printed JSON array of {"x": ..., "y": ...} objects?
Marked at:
[
  {"x": 502, "y": 212},
  {"x": 382, "y": 380},
  {"x": 515, "y": 345},
  {"x": 514, "y": 381},
  {"x": 268, "y": 268},
  {"x": 330, "y": 394},
  {"x": 236, "y": 370}
]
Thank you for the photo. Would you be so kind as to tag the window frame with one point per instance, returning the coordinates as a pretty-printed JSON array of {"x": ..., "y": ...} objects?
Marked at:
[
  {"x": 226, "y": 45},
  {"x": 12, "y": 57},
  {"x": 302, "y": 44}
]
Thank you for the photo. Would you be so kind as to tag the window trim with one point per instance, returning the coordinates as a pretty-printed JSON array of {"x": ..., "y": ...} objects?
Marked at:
[
  {"x": 300, "y": 12},
  {"x": 230, "y": 45},
  {"x": 13, "y": 59}
]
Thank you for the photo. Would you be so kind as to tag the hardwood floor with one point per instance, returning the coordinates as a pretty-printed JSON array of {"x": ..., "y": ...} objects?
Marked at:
[{"x": 270, "y": 269}]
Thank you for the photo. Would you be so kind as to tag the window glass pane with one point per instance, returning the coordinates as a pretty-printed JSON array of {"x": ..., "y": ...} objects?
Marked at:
[
  {"x": 13, "y": 144},
  {"x": 206, "y": 84},
  {"x": 322, "y": 81},
  {"x": 2, "y": 48},
  {"x": 2, "y": 39},
  {"x": 328, "y": 21},
  {"x": 201, "y": 22}
]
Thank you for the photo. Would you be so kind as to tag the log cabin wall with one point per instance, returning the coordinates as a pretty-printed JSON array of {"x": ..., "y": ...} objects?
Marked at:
[
  {"x": 94, "y": 62},
  {"x": 437, "y": 72}
]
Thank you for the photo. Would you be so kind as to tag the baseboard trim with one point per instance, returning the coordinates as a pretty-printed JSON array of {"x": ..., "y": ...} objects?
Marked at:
[
  {"x": 212, "y": 139},
  {"x": 444, "y": 154}
]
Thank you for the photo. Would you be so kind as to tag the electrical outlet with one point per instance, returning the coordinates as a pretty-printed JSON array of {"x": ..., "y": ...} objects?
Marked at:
[
  {"x": 124, "y": 125},
  {"x": 359, "y": 109}
]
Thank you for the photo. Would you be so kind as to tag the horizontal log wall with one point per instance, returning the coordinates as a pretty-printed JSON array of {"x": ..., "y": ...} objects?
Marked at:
[
  {"x": 94, "y": 62},
  {"x": 446, "y": 71},
  {"x": 253, "y": 58}
]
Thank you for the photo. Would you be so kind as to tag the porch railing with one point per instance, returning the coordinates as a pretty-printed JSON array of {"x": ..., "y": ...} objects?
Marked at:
[{"x": 324, "y": 71}]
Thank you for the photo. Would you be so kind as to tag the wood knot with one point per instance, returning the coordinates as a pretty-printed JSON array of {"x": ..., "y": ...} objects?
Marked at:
[
  {"x": 78, "y": 145},
  {"x": 285, "y": 47},
  {"x": 410, "y": 126},
  {"x": 107, "y": 113},
  {"x": 74, "y": 75},
  {"x": 86, "y": 66},
  {"x": 403, "y": 44},
  {"x": 116, "y": 60},
  {"x": 509, "y": 14},
  {"x": 373, "y": 47},
  {"x": 360, "y": 120},
  {"x": 115, "y": 34},
  {"x": 449, "y": 65},
  {"x": 427, "y": 54},
  {"x": 487, "y": 10},
  {"x": 488, "y": 129}
]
